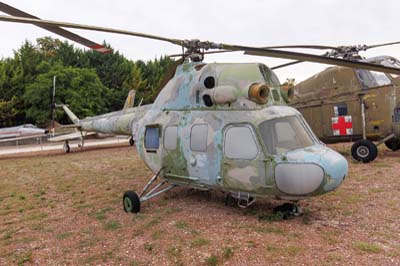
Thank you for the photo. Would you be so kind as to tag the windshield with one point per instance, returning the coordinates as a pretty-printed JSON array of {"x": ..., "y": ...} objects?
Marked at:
[
  {"x": 284, "y": 134},
  {"x": 371, "y": 79}
]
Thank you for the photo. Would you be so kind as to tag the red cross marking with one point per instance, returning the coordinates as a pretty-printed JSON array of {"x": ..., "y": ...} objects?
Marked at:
[{"x": 342, "y": 125}]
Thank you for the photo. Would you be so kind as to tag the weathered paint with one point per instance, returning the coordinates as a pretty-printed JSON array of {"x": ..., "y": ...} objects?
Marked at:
[
  {"x": 316, "y": 97},
  {"x": 180, "y": 104}
]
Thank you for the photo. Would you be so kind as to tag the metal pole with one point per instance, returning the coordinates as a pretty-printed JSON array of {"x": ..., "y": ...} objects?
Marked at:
[
  {"x": 53, "y": 106},
  {"x": 363, "y": 118}
]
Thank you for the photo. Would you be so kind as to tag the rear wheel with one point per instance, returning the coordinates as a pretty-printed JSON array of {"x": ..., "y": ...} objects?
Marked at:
[
  {"x": 393, "y": 144},
  {"x": 131, "y": 141},
  {"x": 66, "y": 148},
  {"x": 364, "y": 151}
]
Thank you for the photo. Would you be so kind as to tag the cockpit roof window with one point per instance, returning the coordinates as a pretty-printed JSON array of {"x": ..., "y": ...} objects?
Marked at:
[
  {"x": 372, "y": 79},
  {"x": 391, "y": 62},
  {"x": 284, "y": 134}
]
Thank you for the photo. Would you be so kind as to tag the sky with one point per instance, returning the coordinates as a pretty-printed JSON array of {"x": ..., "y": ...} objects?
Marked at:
[{"x": 252, "y": 23}]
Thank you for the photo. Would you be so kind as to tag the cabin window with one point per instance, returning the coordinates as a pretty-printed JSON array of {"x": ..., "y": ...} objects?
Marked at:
[
  {"x": 240, "y": 143},
  {"x": 152, "y": 138},
  {"x": 340, "y": 109},
  {"x": 171, "y": 138},
  {"x": 198, "y": 137}
]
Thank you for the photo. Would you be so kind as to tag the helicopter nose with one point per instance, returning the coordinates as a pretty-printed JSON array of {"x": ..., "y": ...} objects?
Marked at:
[{"x": 313, "y": 170}]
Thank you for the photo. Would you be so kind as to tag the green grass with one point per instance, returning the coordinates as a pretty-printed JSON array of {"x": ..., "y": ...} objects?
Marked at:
[
  {"x": 156, "y": 235},
  {"x": 181, "y": 225},
  {"x": 212, "y": 260},
  {"x": 174, "y": 251},
  {"x": 112, "y": 225},
  {"x": 367, "y": 247},
  {"x": 198, "y": 242},
  {"x": 227, "y": 253},
  {"x": 149, "y": 247},
  {"x": 64, "y": 235},
  {"x": 268, "y": 229},
  {"x": 152, "y": 223},
  {"x": 306, "y": 216},
  {"x": 24, "y": 258}
]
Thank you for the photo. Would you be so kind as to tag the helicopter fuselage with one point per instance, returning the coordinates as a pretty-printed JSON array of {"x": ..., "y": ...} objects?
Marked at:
[
  {"x": 234, "y": 144},
  {"x": 227, "y": 127}
]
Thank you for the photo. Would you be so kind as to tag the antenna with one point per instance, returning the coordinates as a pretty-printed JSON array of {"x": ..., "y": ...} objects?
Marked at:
[{"x": 53, "y": 106}]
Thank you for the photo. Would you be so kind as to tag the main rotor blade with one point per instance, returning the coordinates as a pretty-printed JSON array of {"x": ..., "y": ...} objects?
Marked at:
[
  {"x": 319, "y": 47},
  {"x": 39, "y": 22},
  {"x": 311, "y": 58},
  {"x": 383, "y": 44},
  {"x": 287, "y": 64},
  {"x": 57, "y": 30}
]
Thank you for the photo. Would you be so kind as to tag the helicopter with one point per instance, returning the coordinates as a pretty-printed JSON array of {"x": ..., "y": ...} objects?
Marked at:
[
  {"x": 345, "y": 105},
  {"x": 223, "y": 126}
]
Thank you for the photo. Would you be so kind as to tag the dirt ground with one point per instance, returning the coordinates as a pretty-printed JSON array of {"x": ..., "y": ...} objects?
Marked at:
[{"x": 66, "y": 209}]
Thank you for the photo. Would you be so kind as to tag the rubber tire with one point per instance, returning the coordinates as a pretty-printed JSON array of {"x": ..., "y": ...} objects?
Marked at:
[
  {"x": 131, "y": 202},
  {"x": 131, "y": 142},
  {"x": 393, "y": 144},
  {"x": 66, "y": 148},
  {"x": 368, "y": 146}
]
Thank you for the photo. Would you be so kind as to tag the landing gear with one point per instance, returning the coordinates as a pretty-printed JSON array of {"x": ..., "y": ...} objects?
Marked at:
[
  {"x": 66, "y": 147},
  {"x": 131, "y": 141},
  {"x": 364, "y": 151},
  {"x": 243, "y": 199},
  {"x": 131, "y": 201},
  {"x": 287, "y": 210},
  {"x": 393, "y": 144}
]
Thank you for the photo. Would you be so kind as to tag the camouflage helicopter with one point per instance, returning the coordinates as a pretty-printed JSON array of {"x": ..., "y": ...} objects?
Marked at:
[
  {"x": 344, "y": 104},
  {"x": 223, "y": 126}
]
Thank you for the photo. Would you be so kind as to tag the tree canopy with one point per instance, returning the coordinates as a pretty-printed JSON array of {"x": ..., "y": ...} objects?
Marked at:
[{"x": 89, "y": 82}]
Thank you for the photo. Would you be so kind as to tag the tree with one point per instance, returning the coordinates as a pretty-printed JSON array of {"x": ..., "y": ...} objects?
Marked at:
[{"x": 80, "y": 88}]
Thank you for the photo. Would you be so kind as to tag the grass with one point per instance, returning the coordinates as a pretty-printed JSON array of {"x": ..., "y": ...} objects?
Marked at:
[
  {"x": 268, "y": 229},
  {"x": 174, "y": 251},
  {"x": 306, "y": 216},
  {"x": 24, "y": 258},
  {"x": 271, "y": 217},
  {"x": 112, "y": 225},
  {"x": 64, "y": 235},
  {"x": 149, "y": 247},
  {"x": 212, "y": 260},
  {"x": 156, "y": 235},
  {"x": 198, "y": 242},
  {"x": 227, "y": 253},
  {"x": 181, "y": 225},
  {"x": 91, "y": 228},
  {"x": 367, "y": 247},
  {"x": 152, "y": 223}
]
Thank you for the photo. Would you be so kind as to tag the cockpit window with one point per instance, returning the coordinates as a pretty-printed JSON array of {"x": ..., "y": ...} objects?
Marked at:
[
  {"x": 268, "y": 75},
  {"x": 371, "y": 79},
  {"x": 284, "y": 134},
  {"x": 391, "y": 62}
]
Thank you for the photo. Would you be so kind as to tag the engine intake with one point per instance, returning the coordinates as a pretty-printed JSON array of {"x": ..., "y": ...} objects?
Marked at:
[{"x": 259, "y": 93}]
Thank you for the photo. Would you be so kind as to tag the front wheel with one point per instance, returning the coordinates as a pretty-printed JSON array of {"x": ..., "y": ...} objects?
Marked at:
[
  {"x": 131, "y": 202},
  {"x": 364, "y": 151}
]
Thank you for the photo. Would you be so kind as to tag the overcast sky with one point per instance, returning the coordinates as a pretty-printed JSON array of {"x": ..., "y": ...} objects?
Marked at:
[{"x": 251, "y": 22}]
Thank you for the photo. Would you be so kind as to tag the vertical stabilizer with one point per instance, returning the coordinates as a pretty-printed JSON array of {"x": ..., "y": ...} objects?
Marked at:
[
  {"x": 130, "y": 100},
  {"x": 70, "y": 114}
]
